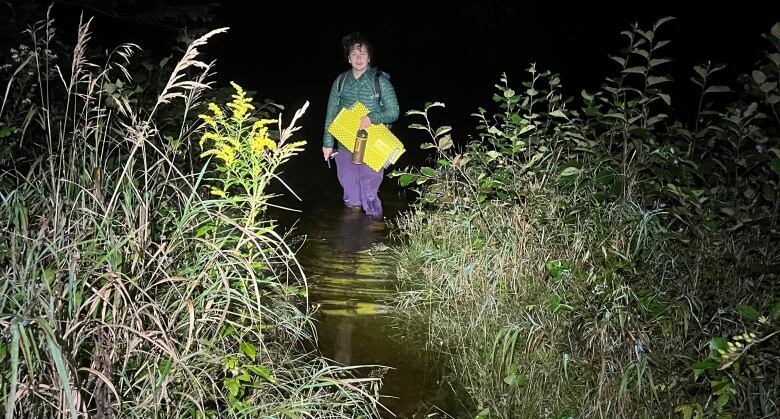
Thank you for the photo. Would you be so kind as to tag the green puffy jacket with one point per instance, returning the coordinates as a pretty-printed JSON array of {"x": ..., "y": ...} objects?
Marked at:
[{"x": 361, "y": 89}]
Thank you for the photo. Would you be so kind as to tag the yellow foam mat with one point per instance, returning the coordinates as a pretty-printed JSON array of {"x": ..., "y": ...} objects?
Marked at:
[{"x": 382, "y": 147}]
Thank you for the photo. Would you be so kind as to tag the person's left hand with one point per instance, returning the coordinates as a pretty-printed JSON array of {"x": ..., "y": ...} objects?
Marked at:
[{"x": 365, "y": 122}]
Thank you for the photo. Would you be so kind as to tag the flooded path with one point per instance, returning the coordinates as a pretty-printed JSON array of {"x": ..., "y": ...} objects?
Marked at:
[{"x": 351, "y": 274}]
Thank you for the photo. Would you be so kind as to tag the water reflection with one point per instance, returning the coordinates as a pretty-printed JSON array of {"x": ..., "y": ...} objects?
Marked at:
[{"x": 352, "y": 273}]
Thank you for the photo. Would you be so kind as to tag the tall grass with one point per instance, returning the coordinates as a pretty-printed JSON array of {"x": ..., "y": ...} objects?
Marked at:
[
  {"x": 128, "y": 290},
  {"x": 605, "y": 261}
]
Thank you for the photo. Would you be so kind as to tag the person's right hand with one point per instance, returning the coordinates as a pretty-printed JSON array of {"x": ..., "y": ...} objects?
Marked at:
[{"x": 326, "y": 152}]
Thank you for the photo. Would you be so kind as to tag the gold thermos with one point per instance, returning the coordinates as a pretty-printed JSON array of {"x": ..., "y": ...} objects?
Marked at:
[{"x": 360, "y": 146}]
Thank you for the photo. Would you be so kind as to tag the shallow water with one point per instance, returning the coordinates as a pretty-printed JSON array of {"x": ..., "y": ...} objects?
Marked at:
[{"x": 351, "y": 273}]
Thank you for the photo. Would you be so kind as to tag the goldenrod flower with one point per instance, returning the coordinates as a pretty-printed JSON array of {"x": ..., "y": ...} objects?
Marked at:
[
  {"x": 207, "y": 136},
  {"x": 223, "y": 152},
  {"x": 240, "y": 104},
  {"x": 232, "y": 141},
  {"x": 216, "y": 111},
  {"x": 259, "y": 143},
  {"x": 262, "y": 123},
  {"x": 208, "y": 120}
]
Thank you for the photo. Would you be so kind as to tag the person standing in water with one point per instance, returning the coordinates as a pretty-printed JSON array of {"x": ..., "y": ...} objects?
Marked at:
[{"x": 360, "y": 83}]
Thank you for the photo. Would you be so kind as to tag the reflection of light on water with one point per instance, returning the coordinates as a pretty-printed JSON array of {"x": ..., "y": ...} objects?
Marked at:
[
  {"x": 354, "y": 271},
  {"x": 350, "y": 308},
  {"x": 351, "y": 274},
  {"x": 353, "y": 285}
]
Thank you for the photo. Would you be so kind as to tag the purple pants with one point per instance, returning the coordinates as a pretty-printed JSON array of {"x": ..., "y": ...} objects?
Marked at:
[{"x": 360, "y": 183}]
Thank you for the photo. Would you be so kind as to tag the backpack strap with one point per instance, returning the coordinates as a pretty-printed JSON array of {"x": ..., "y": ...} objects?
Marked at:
[
  {"x": 340, "y": 84},
  {"x": 377, "y": 87}
]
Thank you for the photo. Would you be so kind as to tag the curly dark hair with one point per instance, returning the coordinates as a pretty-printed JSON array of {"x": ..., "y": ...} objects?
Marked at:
[{"x": 353, "y": 38}]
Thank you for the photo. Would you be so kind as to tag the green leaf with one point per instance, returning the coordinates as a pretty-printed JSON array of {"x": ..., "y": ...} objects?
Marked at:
[
  {"x": 686, "y": 410},
  {"x": 443, "y": 130},
  {"x": 558, "y": 268},
  {"x": 657, "y": 80},
  {"x": 718, "y": 89},
  {"x": 426, "y": 146},
  {"x": 658, "y": 61},
  {"x": 59, "y": 363},
  {"x": 570, "y": 171},
  {"x": 515, "y": 380},
  {"x": 445, "y": 143},
  {"x": 748, "y": 312},
  {"x": 261, "y": 371},
  {"x": 619, "y": 60},
  {"x": 509, "y": 93},
  {"x": 636, "y": 70},
  {"x": 703, "y": 366},
  {"x": 586, "y": 96},
  {"x": 661, "y": 21},
  {"x": 759, "y": 76},
  {"x": 427, "y": 171},
  {"x": 776, "y": 30},
  {"x": 776, "y": 58},
  {"x": 5, "y": 132},
  {"x": 492, "y": 155},
  {"x": 718, "y": 343},
  {"x": 616, "y": 116},
  {"x": 723, "y": 399},
  {"x": 666, "y": 98},
  {"x": 406, "y": 179},
  {"x": 249, "y": 350},
  {"x": 483, "y": 414},
  {"x": 231, "y": 385},
  {"x": 165, "y": 367},
  {"x": 558, "y": 113},
  {"x": 768, "y": 86},
  {"x": 701, "y": 71},
  {"x": 418, "y": 126},
  {"x": 661, "y": 44}
]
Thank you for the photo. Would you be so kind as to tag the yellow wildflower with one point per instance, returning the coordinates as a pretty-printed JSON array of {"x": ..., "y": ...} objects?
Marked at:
[
  {"x": 207, "y": 136},
  {"x": 216, "y": 111},
  {"x": 259, "y": 143},
  {"x": 239, "y": 90},
  {"x": 232, "y": 141},
  {"x": 208, "y": 120},
  {"x": 223, "y": 152},
  {"x": 262, "y": 123},
  {"x": 240, "y": 104}
]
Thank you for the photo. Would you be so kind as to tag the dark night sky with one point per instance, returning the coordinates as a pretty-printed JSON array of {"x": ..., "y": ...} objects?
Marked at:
[{"x": 455, "y": 51}]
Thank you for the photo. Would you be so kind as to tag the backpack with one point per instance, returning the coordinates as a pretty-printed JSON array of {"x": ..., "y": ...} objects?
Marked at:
[{"x": 377, "y": 89}]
